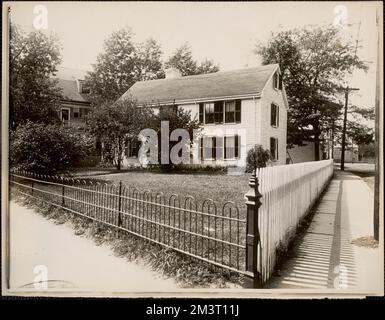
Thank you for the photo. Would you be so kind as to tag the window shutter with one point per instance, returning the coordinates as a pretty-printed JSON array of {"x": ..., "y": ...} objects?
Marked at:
[
  {"x": 201, "y": 110},
  {"x": 238, "y": 110},
  {"x": 214, "y": 148},
  {"x": 280, "y": 82},
  {"x": 200, "y": 148},
  {"x": 237, "y": 146},
  {"x": 272, "y": 115},
  {"x": 272, "y": 147},
  {"x": 277, "y": 116},
  {"x": 276, "y": 148}
]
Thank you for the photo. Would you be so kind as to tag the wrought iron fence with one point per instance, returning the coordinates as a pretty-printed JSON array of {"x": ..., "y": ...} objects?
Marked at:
[{"x": 202, "y": 230}]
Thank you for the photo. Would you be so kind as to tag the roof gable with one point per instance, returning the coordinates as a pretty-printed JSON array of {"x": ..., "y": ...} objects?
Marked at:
[
  {"x": 70, "y": 90},
  {"x": 250, "y": 81}
]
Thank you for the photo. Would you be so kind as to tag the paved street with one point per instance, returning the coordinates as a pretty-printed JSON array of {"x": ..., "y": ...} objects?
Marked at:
[{"x": 325, "y": 258}]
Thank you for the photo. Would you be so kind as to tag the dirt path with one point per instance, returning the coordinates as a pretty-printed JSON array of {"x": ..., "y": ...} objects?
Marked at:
[{"x": 72, "y": 262}]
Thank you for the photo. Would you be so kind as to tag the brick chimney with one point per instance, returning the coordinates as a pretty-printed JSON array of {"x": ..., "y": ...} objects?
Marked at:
[{"x": 172, "y": 73}]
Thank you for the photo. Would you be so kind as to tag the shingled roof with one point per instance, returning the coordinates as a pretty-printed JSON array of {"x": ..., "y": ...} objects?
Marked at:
[
  {"x": 70, "y": 91},
  {"x": 237, "y": 83}
]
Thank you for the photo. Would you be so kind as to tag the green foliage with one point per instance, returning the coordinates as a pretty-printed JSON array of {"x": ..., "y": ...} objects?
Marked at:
[
  {"x": 43, "y": 148},
  {"x": 314, "y": 61},
  {"x": 33, "y": 94},
  {"x": 182, "y": 60},
  {"x": 257, "y": 157},
  {"x": 122, "y": 63},
  {"x": 115, "y": 124}
]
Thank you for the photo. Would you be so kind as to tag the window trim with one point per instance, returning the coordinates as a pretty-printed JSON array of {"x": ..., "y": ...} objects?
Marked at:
[
  {"x": 276, "y": 115},
  {"x": 222, "y": 156},
  {"x": 69, "y": 114},
  {"x": 276, "y": 146},
  {"x": 78, "y": 112},
  {"x": 277, "y": 77},
  {"x": 202, "y": 112}
]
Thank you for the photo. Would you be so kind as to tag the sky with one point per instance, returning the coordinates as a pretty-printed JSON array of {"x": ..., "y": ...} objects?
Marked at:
[{"x": 223, "y": 31}]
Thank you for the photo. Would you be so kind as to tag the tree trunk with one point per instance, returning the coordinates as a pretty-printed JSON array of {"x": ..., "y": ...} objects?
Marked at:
[
  {"x": 119, "y": 156},
  {"x": 316, "y": 149}
]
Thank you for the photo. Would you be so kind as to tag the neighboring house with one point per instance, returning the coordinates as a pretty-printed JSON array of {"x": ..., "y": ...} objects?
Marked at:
[
  {"x": 366, "y": 153},
  {"x": 237, "y": 109},
  {"x": 351, "y": 153},
  {"x": 74, "y": 106},
  {"x": 306, "y": 152}
]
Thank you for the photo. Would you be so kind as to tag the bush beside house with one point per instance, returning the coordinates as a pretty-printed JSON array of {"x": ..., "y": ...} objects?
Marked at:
[{"x": 45, "y": 149}]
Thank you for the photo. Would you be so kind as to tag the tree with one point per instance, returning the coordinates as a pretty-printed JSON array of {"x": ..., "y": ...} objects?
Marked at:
[
  {"x": 177, "y": 119},
  {"x": 150, "y": 54},
  {"x": 257, "y": 157},
  {"x": 44, "y": 148},
  {"x": 33, "y": 94},
  {"x": 207, "y": 66},
  {"x": 115, "y": 124},
  {"x": 122, "y": 63},
  {"x": 182, "y": 60},
  {"x": 314, "y": 61}
]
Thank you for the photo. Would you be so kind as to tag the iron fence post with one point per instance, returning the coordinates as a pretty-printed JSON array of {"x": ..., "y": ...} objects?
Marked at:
[
  {"x": 120, "y": 205},
  {"x": 253, "y": 278},
  {"x": 62, "y": 195}
]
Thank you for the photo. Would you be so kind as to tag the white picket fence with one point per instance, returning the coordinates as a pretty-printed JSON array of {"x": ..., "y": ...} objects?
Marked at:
[{"x": 288, "y": 193}]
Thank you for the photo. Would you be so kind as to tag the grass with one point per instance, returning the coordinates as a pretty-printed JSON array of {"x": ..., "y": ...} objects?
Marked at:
[
  {"x": 98, "y": 202},
  {"x": 218, "y": 187},
  {"x": 186, "y": 271}
]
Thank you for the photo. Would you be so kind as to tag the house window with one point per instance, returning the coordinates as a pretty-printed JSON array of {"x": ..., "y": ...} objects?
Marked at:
[
  {"x": 220, "y": 112},
  {"x": 274, "y": 115},
  {"x": 233, "y": 111},
  {"x": 76, "y": 112},
  {"x": 274, "y": 149},
  {"x": 168, "y": 109},
  {"x": 83, "y": 88},
  {"x": 208, "y": 148},
  {"x": 232, "y": 147},
  {"x": 209, "y": 113},
  {"x": 277, "y": 81},
  {"x": 211, "y": 148},
  {"x": 131, "y": 148}
]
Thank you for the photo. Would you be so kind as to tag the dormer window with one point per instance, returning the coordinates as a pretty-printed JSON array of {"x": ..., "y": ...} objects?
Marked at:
[
  {"x": 277, "y": 81},
  {"x": 83, "y": 88}
]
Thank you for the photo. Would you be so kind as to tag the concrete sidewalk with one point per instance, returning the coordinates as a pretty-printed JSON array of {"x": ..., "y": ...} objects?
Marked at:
[{"x": 325, "y": 257}]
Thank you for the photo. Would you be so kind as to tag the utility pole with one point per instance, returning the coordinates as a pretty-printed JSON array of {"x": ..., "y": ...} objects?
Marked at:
[
  {"x": 379, "y": 134},
  {"x": 343, "y": 146}
]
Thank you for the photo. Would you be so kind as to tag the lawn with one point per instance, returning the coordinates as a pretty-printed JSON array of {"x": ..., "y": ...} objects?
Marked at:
[{"x": 218, "y": 187}]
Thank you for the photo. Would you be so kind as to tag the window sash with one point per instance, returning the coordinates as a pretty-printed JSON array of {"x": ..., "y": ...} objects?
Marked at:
[
  {"x": 219, "y": 112},
  {"x": 274, "y": 116},
  {"x": 232, "y": 147},
  {"x": 274, "y": 148},
  {"x": 209, "y": 113}
]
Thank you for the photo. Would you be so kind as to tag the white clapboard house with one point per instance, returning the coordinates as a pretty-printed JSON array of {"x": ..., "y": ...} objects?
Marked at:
[{"x": 237, "y": 109}]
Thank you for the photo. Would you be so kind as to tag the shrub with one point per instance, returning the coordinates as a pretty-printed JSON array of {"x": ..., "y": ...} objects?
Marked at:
[
  {"x": 257, "y": 157},
  {"x": 43, "y": 148}
]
